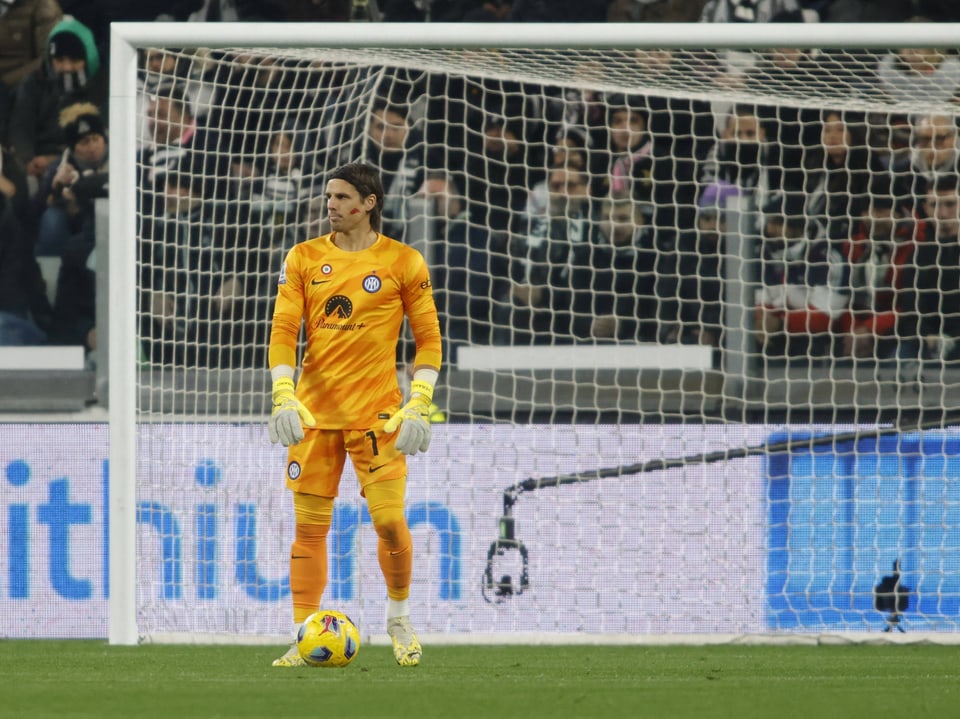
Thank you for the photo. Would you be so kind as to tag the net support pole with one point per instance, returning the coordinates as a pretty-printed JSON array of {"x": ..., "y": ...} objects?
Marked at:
[
  {"x": 122, "y": 502},
  {"x": 737, "y": 293}
]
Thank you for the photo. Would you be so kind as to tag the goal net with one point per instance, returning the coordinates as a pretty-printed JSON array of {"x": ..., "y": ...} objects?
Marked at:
[{"x": 697, "y": 301}]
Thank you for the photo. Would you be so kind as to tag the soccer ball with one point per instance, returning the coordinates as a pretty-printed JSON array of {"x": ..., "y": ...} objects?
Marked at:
[{"x": 328, "y": 639}]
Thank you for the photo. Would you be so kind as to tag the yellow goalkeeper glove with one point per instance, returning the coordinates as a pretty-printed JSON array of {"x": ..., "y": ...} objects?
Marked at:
[
  {"x": 288, "y": 414},
  {"x": 413, "y": 419}
]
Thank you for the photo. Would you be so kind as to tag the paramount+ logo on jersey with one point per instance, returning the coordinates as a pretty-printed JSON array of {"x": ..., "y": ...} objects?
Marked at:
[
  {"x": 338, "y": 306},
  {"x": 337, "y": 309}
]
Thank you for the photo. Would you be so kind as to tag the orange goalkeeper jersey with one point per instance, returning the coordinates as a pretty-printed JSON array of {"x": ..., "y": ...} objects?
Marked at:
[{"x": 353, "y": 305}]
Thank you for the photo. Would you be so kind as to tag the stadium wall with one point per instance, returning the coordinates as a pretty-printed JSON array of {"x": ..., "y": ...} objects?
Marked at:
[{"x": 792, "y": 542}]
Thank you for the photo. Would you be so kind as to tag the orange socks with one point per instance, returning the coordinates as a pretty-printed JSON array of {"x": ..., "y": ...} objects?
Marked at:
[
  {"x": 395, "y": 546},
  {"x": 308, "y": 569},
  {"x": 395, "y": 552}
]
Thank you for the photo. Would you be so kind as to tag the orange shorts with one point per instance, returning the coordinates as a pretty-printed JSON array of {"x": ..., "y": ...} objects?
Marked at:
[{"x": 315, "y": 464}]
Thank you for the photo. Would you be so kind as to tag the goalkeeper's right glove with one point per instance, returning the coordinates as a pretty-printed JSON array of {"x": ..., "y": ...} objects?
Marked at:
[{"x": 288, "y": 413}]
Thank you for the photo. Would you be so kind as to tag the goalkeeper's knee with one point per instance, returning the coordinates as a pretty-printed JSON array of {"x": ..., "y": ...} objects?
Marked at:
[{"x": 385, "y": 503}]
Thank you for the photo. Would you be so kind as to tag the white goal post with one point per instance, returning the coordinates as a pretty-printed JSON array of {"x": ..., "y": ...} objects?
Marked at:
[{"x": 704, "y": 484}]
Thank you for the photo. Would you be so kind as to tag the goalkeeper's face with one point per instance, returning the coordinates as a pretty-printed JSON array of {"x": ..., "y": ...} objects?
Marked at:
[{"x": 346, "y": 210}]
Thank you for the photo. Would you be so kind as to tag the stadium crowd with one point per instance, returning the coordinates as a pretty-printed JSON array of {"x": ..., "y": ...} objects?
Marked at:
[{"x": 557, "y": 215}]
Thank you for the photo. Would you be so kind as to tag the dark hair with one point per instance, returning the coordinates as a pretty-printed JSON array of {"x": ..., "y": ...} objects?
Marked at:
[
  {"x": 621, "y": 102},
  {"x": 366, "y": 179},
  {"x": 67, "y": 44},
  {"x": 385, "y": 106},
  {"x": 947, "y": 182},
  {"x": 175, "y": 92},
  {"x": 86, "y": 124},
  {"x": 854, "y": 122}
]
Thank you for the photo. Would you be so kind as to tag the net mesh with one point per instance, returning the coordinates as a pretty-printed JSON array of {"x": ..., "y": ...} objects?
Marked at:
[{"x": 638, "y": 256}]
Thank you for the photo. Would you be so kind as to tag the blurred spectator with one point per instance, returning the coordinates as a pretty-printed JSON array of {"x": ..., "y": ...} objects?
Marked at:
[
  {"x": 745, "y": 10},
  {"x": 741, "y": 157},
  {"x": 912, "y": 75},
  {"x": 804, "y": 282},
  {"x": 398, "y": 151},
  {"x": 157, "y": 71},
  {"x": 172, "y": 131},
  {"x": 69, "y": 188},
  {"x": 627, "y": 290},
  {"x": 70, "y": 75},
  {"x": 578, "y": 109},
  {"x": 737, "y": 67},
  {"x": 469, "y": 269},
  {"x": 13, "y": 184},
  {"x": 929, "y": 326},
  {"x": 838, "y": 173},
  {"x": 545, "y": 267},
  {"x": 74, "y": 307},
  {"x": 934, "y": 151},
  {"x": 501, "y": 170},
  {"x": 700, "y": 269},
  {"x": 444, "y": 198},
  {"x": 879, "y": 252},
  {"x": 195, "y": 307},
  {"x": 278, "y": 190},
  {"x": 622, "y": 160},
  {"x": 24, "y": 27},
  {"x": 249, "y": 94},
  {"x": 569, "y": 151},
  {"x": 24, "y": 307},
  {"x": 681, "y": 131},
  {"x": 811, "y": 75}
]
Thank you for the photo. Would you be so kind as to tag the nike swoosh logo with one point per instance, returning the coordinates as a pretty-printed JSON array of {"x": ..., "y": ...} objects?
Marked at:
[
  {"x": 318, "y": 282},
  {"x": 300, "y": 556},
  {"x": 374, "y": 469}
]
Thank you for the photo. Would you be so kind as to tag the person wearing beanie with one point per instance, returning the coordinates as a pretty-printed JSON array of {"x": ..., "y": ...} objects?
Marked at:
[
  {"x": 69, "y": 75},
  {"x": 67, "y": 227},
  {"x": 88, "y": 123},
  {"x": 70, "y": 186},
  {"x": 65, "y": 44}
]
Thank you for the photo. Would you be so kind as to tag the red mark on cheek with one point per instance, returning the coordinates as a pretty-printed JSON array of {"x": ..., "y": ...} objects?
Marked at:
[{"x": 354, "y": 211}]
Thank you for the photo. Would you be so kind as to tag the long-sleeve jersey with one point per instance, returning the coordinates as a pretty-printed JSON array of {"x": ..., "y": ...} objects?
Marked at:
[{"x": 352, "y": 304}]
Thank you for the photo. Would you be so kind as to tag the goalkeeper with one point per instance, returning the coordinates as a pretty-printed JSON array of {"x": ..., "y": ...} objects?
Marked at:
[{"x": 352, "y": 288}]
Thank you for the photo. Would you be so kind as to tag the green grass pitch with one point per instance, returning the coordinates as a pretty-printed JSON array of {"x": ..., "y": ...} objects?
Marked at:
[{"x": 74, "y": 678}]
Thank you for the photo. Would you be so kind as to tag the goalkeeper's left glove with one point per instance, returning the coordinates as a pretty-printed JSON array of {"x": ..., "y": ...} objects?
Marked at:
[
  {"x": 288, "y": 414},
  {"x": 413, "y": 419}
]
